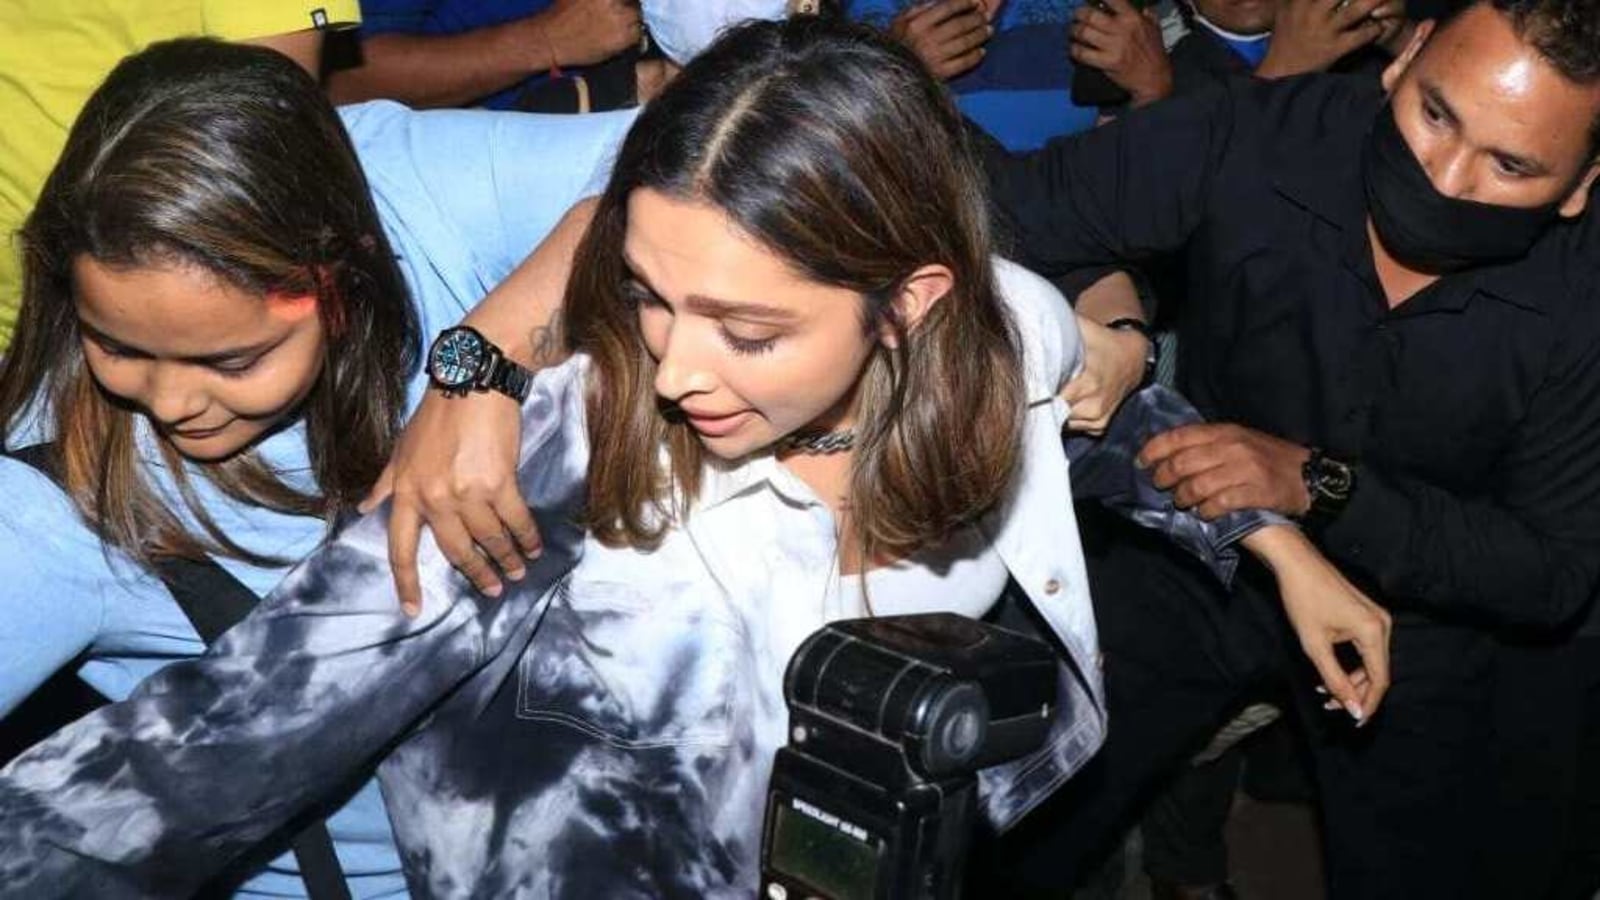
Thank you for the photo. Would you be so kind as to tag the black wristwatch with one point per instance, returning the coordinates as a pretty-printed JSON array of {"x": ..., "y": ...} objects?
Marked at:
[
  {"x": 1330, "y": 483},
  {"x": 1152, "y": 353},
  {"x": 461, "y": 361}
]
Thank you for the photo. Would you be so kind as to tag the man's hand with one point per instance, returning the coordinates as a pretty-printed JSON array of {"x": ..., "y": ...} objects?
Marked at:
[
  {"x": 1327, "y": 610},
  {"x": 1217, "y": 469},
  {"x": 1113, "y": 368},
  {"x": 1125, "y": 43},
  {"x": 1311, "y": 35},
  {"x": 584, "y": 32},
  {"x": 454, "y": 470},
  {"x": 947, "y": 35}
]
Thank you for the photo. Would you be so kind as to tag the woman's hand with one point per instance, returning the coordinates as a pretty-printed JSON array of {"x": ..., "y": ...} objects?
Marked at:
[
  {"x": 1327, "y": 610},
  {"x": 1113, "y": 368},
  {"x": 454, "y": 470}
]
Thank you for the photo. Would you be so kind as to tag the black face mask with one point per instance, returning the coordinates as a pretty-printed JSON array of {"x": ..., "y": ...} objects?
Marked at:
[{"x": 1427, "y": 230}]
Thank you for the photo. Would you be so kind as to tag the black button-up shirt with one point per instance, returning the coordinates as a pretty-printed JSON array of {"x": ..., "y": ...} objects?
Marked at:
[{"x": 1473, "y": 407}]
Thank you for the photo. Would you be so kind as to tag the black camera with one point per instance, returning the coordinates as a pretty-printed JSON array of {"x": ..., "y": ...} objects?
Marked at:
[{"x": 875, "y": 796}]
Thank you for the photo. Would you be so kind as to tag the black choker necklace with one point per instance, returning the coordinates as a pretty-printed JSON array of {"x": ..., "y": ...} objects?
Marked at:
[{"x": 820, "y": 442}]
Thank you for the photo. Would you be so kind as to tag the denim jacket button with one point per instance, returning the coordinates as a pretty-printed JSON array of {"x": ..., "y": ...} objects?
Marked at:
[{"x": 1052, "y": 586}]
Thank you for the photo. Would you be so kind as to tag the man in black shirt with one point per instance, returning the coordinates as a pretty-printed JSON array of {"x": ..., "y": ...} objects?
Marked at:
[{"x": 1395, "y": 313}]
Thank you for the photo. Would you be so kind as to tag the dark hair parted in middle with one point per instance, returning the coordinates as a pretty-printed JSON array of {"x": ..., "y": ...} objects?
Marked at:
[
  {"x": 228, "y": 159},
  {"x": 831, "y": 147}
]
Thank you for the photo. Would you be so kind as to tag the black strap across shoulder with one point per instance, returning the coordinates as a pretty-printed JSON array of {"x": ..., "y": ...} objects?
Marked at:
[{"x": 214, "y": 601}]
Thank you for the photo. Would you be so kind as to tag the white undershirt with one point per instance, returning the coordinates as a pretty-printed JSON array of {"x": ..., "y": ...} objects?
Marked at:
[{"x": 962, "y": 575}]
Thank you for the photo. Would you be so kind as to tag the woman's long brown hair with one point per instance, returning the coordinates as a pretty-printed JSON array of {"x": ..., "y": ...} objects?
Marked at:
[
  {"x": 228, "y": 159},
  {"x": 831, "y": 147}
]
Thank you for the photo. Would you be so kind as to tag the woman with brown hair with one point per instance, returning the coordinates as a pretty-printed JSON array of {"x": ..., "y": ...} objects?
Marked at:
[
  {"x": 802, "y": 389},
  {"x": 225, "y": 288}
]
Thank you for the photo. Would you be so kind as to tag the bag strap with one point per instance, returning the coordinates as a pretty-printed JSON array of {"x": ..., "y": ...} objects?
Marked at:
[{"x": 214, "y": 601}]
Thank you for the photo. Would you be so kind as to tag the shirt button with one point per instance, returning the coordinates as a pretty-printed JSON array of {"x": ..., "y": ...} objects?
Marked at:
[{"x": 1052, "y": 586}]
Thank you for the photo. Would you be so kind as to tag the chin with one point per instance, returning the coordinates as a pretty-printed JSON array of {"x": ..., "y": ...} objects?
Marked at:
[{"x": 214, "y": 449}]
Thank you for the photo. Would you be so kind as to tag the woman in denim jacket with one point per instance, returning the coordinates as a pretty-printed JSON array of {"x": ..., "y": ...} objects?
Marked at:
[{"x": 802, "y": 389}]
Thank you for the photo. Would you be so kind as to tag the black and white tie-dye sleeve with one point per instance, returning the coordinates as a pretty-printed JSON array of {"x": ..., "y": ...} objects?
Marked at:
[{"x": 152, "y": 796}]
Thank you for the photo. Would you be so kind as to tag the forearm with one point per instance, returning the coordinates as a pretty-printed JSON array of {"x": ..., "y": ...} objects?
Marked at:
[
  {"x": 1111, "y": 298},
  {"x": 304, "y": 47},
  {"x": 1423, "y": 544},
  {"x": 522, "y": 315},
  {"x": 212, "y": 755},
  {"x": 1281, "y": 547},
  {"x": 426, "y": 71}
]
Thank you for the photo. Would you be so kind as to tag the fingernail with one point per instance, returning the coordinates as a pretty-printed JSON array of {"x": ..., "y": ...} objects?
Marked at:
[
  {"x": 536, "y": 552},
  {"x": 516, "y": 574},
  {"x": 1321, "y": 690},
  {"x": 1355, "y": 711},
  {"x": 493, "y": 590},
  {"x": 410, "y": 609},
  {"x": 1330, "y": 706}
]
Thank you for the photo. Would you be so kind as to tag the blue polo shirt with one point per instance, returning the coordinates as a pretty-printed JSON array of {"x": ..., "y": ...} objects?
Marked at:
[
  {"x": 442, "y": 17},
  {"x": 1022, "y": 91}
]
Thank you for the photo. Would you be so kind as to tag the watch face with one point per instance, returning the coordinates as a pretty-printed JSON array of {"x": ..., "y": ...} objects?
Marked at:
[{"x": 456, "y": 357}]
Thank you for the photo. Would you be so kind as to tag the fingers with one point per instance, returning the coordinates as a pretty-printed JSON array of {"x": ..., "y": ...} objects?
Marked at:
[
  {"x": 456, "y": 542},
  {"x": 380, "y": 491},
  {"x": 405, "y": 531},
  {"x": 1372, "y": 642},
  {"x": 518, "y": 520},
  {"x": 964, "y": 43},
  {"x": 490, "y": 540},
  {"x": 1349, "y": 13},
  {"x": 1185, "y": 463},
  {"x": 1320, "y": 651},
  {"x": 1169, "y": 442}
]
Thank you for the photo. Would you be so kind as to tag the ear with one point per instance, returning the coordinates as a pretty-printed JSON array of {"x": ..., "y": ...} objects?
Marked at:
[
  {"x": 918, "y": 293},
  {"x": 1419, "y": 36},
  {"x": 1578, "y": 200}
]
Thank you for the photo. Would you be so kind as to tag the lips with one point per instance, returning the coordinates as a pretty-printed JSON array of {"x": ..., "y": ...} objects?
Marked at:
[
  {"x": 194, "y": 434},
  {"x": 720, "y": 425}
]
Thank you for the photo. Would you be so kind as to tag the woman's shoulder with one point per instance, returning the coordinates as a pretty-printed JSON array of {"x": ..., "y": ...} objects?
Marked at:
[{"x": 1046, "y": 328}]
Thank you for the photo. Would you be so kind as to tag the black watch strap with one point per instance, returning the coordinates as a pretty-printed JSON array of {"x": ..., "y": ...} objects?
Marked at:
[
  {"x": 508, "y": 378},
  {"x": 1152, "y": 352}
]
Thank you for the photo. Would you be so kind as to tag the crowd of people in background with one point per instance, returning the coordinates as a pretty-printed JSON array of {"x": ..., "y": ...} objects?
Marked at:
[{"x": 1319, "y": 278}]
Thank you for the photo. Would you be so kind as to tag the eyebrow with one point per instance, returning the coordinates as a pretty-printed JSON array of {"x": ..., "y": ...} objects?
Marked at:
[
  {"x": 209, "y": 359},
  {"x": 712, "y": 306},
  {"x": 1527, "y": 164}
]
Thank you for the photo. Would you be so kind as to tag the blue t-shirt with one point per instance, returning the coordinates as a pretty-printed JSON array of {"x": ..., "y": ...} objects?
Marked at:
[
  {"x": 464, "y": 196},
  {"x": 452, "y": 17},
  {"x": 1022, "y": 91}
]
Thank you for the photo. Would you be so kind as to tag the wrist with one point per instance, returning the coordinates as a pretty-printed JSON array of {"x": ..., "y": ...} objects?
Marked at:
[
  {"x": 1158, "y": 88},
  {"x": 1277, "y": 546},
  {"x": 540, "y": 44},
  {"x": 1129, "y": 327}
]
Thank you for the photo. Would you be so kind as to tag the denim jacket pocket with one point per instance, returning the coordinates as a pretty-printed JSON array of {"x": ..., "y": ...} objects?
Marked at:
[{"x": 630, "y": 672}]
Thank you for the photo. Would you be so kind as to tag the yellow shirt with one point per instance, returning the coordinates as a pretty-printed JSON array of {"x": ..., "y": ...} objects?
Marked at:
[{"x": 54, "y": 53}]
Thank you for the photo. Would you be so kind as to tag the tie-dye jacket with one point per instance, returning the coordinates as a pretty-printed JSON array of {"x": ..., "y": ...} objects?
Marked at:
[{"x": 605, "y": 729}]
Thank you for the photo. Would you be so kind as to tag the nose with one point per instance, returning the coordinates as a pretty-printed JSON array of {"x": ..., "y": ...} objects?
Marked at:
[
  {"x": 1450, "y": 169},
  {"x": 173, "y": 394},
  {"x": 684, "y": 367}
]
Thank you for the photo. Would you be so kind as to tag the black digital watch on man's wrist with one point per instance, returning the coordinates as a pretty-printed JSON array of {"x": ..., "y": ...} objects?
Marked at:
[{"x": 462, "y": 360}]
